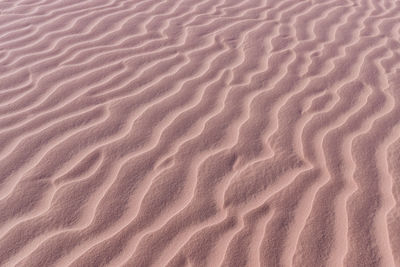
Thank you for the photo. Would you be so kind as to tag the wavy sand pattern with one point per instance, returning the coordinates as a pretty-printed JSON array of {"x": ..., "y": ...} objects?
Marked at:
[{"x": 200, "y": 133}]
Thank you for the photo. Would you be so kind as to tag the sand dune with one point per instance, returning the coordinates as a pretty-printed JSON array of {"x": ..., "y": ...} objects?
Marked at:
[{"x": 200, "y": 133}]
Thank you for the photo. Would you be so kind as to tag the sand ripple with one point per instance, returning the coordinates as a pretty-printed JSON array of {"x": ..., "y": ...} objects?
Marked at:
[{"x": 200, "y": 133}]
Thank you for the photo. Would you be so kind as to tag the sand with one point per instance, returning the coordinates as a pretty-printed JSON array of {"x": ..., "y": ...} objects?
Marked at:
[{"x": 200, "y": 133}]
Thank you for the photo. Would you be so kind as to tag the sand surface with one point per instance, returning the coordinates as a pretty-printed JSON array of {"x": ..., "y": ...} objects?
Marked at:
[{"x": 200, "y": 133}]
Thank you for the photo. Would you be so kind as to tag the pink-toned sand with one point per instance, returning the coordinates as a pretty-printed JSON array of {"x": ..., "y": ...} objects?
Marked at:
[{"x": 200, "y": 133}]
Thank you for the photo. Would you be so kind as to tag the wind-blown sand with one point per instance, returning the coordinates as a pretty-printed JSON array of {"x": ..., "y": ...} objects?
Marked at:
[{"x": 200, "y": 133}]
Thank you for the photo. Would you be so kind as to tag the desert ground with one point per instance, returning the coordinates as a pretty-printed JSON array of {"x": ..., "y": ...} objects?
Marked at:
[{"x": 200, "y": 133}]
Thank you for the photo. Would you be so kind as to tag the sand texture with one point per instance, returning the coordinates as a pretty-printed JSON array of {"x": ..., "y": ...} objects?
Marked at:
[{"x": 200, "y": 133}]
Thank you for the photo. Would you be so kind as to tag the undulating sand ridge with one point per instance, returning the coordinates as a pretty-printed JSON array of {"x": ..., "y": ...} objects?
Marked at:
[{"x": 200, "y": 133}]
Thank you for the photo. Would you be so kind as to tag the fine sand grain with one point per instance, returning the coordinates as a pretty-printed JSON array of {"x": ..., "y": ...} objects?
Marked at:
[{"x": 200, "y": 133}]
